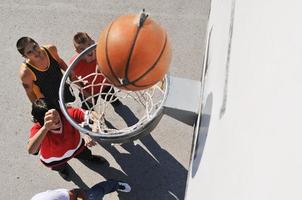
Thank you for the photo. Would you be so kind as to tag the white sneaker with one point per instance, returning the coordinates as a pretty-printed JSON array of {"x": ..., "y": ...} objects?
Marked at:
[{"x": 123, "y": 187}]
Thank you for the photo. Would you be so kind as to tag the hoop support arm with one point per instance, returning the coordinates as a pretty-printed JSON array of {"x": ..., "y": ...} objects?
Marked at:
[{"x": 184, "y": 97}]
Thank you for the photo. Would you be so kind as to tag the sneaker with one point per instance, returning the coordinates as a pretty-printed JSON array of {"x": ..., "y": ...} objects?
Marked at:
[
  {"x": 123, "y": 187},
  {"x": 64, "y": 173}
]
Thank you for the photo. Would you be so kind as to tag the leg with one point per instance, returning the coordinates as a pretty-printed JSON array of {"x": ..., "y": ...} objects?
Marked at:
[
  {"x": 85, "y": 105},
  {"x": 109, "y": 94},
  {"x": 99, "y": 190},
  {"x": 59, "y": 167},
  {"x": 62, "y": 170},
  {"x": 87, "y": 155}
]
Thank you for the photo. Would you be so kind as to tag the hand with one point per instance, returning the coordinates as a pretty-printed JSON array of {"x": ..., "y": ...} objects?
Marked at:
[
  {"x": 52, "y": 120},
  {"x": 89, "y": 142}
]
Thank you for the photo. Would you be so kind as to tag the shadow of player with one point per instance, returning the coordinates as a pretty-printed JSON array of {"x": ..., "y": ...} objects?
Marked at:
[
  {"x": 101, "y": 168},
  {"x": 126, "y": 114},
  {"x": 152, "y": 172}
]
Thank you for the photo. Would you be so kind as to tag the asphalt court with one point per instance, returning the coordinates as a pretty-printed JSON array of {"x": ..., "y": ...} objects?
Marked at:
[{"x": 157, "y": 166}]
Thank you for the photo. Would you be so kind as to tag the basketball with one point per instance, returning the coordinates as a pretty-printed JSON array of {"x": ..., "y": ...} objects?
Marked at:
[{"x": 134, "y": 52}]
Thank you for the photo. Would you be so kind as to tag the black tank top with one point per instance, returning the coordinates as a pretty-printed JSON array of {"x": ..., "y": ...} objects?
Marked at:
[{"x": 49, "y": 82}]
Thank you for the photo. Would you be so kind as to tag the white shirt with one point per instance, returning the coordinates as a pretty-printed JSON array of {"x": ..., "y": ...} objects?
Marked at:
[{"x": 58, "y": 194}]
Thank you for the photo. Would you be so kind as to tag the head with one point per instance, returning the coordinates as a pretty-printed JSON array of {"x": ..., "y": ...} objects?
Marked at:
[
  {"x": 81, "y": 41},
  {"x": 40, "y": 108},
  {"x": 77, "y": 194},
  {"x": 29, "y": 48}
]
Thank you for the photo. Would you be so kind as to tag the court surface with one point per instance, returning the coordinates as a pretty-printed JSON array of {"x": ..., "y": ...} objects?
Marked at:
[{"x": 157, "y": 167}]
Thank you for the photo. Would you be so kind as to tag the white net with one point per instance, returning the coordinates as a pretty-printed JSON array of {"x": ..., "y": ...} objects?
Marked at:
[
  {"x": 113, "y": 111},
  {"x": 112, "y": 114}
]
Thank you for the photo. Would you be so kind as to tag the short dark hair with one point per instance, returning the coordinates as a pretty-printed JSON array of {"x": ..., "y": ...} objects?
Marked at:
[
  {"x": 80, "y": 38},
  {"x": 23, "y": 42},
  {"x": 39, "y": 108}
]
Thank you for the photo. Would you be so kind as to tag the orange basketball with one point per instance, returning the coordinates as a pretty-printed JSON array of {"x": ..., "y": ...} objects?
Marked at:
[{"x": 134, "y": 52}]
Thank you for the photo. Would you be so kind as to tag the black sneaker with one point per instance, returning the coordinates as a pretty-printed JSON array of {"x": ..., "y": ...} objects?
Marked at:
[
  {"x": 64, "y": 173},
  {"x": 123, "y": 187}
]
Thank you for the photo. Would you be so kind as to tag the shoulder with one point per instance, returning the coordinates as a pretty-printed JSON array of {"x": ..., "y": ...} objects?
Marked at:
[
  {"x": 79, "y": 67},
  {"x": 23, "y": 69},
  {"x": 34, "y": 129},
  {"x": 25, "y": 73},
  {"x": 52, "y": 49},
  {"x": 77, "y": 114},
  {"x": 72, "y": 111},
  {"x": 73, "y": 58}
]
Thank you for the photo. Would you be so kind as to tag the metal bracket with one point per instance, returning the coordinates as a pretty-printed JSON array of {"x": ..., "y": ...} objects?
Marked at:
[{"x": 183, "y": 100}]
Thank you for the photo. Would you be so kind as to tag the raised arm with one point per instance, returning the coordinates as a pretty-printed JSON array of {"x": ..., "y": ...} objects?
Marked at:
[
  {"x": 36, "y": 140},
  {"x": 54, "y": 52}
]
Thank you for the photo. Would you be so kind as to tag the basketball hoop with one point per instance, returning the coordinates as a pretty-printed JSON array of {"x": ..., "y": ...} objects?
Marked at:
[{"x": 105, "y": 123}]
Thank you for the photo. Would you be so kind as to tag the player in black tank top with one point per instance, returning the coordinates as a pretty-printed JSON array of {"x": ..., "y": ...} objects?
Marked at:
[{"x": 49, "y": 82}]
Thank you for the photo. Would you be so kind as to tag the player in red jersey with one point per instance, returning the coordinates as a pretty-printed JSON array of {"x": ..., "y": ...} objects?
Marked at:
[
  {"x": 57, "y": 140},
  {"x": 88, "y": 65}
]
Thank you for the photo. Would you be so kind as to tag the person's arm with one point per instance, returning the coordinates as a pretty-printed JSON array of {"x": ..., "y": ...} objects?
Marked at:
[
  {"x": 27, "y": 80},
  {"x": 54, "y": 52},
  {"x": 79, "y": 116},
  {"x": 36, "y": 140},
  {"x": 89, "y": 142}
]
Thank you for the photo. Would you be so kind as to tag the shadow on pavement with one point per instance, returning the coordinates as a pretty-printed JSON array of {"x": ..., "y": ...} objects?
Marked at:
[
  {"x": 75, "y": 178},
  {"x": 155, "y": 175},
  {"x": 152, "y": 172},
  {"x": 101, "y": 168}
]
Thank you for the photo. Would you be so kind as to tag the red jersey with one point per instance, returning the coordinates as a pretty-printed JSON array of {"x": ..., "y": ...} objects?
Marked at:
[
  {"x": 57, "y": 147},
  {"x": 84, "y": 69}
]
